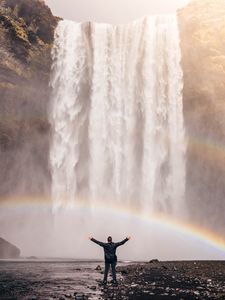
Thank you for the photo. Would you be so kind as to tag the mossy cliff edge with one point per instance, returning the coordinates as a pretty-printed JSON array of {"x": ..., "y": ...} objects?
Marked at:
[{"x": 26, "y": 37}]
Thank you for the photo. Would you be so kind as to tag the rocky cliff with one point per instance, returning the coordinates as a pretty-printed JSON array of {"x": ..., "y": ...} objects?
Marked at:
[
  {"x": 8, "y": 250},
  {"x": 26, "y": 36},
  {"x": 202, "y": 29}
]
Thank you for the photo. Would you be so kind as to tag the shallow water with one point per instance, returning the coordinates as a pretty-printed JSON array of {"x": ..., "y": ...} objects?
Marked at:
[{"x": 48, "y": 279}]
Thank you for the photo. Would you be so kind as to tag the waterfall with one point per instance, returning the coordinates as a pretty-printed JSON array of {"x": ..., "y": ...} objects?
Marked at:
[{"x": 117, "y": 115}]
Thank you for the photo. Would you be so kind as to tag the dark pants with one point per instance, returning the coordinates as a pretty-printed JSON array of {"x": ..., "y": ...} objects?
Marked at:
[{"x": 107, "y": 267}]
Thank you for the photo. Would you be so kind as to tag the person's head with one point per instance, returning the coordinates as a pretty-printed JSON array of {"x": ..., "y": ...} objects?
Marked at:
[{"x": 109, "y": 239}]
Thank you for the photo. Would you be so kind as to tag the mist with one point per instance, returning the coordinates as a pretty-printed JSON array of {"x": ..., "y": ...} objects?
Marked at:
[
  {"x": 38, "y": 232},
  {"x": 114, "y": 12}
]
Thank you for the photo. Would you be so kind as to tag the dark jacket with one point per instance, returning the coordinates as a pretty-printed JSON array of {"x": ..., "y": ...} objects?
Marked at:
[{"x": 110, "y": 249}]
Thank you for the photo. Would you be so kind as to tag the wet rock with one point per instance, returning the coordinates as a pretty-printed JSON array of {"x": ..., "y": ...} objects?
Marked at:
[
  {"x": 80, "y": 296},
  {"x": 124, "y": 272}
]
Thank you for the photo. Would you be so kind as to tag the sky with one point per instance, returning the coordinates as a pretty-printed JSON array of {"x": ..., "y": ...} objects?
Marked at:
[{"x": 111, "y": 11}]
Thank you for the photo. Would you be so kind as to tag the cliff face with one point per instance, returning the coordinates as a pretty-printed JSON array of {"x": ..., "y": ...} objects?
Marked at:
[
  {"x": 7, "y": 250},
  {"x": 202, "y": 28},
  {"x": 26, "y": 36}
]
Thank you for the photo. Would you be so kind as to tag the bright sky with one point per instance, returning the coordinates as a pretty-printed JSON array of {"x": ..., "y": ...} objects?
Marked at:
[{"x": 112, "y": 11}]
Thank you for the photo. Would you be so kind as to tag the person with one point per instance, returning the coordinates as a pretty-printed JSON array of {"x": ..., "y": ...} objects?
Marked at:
[{"x": 110, "y": 256}]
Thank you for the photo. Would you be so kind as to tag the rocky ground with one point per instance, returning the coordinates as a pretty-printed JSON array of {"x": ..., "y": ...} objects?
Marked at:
[
  {"x": 74, "y": 280},
  {"x": 170, "y": 280}
]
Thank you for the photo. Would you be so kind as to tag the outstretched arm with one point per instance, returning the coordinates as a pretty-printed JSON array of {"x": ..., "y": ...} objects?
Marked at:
[
  {"x": 123, "y": 241},
  {"x": 97, "y": 242}
]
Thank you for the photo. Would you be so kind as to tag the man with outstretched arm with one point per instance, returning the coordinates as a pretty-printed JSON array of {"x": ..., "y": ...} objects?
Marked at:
[{"x": 110, "y": 256}]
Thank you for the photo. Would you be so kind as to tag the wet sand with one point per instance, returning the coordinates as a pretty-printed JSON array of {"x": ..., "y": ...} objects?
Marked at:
[
  {"x": 79, "y": 280},
  {"x": 48, "y": 280}
]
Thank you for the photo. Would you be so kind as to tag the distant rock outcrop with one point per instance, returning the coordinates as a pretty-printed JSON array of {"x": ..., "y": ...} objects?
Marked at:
[{"x": 8, "y": 250}]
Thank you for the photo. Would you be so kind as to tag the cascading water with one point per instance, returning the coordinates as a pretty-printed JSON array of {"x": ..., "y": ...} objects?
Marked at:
[
  {"x": 117, "y": 115},
  {"x": 117, "y": 155}
]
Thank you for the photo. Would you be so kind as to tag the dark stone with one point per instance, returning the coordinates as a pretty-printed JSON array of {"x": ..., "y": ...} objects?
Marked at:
[
  {"x": 154, "y": 261},
  {"x": 98, "y": 268},
  {"x": 80, "y": 296}
]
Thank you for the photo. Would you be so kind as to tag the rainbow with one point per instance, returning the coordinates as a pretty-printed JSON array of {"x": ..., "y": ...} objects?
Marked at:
[
  {"x": 208, "y": 150},
  {"x": 161, "y": 220},
  {"x": 192, "y": 231}
]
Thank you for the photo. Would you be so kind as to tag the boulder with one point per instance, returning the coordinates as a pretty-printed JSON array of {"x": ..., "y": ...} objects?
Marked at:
[
  {"x": 152, "y": 261},
  {"x": 98, "y": 268}
]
